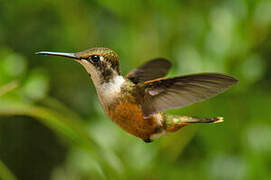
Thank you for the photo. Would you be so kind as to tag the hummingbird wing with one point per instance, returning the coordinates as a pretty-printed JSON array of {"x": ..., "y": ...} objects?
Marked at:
[
  {"x": 162, "y": 94},
  {"x": 152, "y": 69}
]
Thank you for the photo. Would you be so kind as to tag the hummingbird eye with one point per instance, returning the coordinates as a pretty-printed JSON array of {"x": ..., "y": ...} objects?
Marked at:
[{"x": 95, "y": 58}]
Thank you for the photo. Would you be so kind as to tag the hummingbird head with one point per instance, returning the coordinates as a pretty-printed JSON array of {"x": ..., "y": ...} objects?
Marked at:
[{"x": 102, "y": 64}]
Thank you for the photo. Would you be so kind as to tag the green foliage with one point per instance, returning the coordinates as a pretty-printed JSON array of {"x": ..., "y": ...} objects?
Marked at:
[
  {"x": 43, "y": 95},
  {"x": 5, "y": 172}
]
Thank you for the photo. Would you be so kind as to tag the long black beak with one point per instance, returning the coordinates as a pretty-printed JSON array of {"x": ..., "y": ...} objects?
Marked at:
[{"x": 63, "y": 54}]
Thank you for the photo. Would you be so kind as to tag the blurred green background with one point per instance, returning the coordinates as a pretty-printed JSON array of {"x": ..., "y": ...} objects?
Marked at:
[{"x": 51, "y": 123}]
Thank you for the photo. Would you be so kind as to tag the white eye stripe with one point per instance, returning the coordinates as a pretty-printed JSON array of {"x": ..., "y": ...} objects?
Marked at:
[{"x": 101, "y": 58}]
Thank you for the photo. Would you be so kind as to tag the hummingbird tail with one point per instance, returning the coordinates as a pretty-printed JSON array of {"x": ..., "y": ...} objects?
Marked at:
[{"x": 174, "y": 122}]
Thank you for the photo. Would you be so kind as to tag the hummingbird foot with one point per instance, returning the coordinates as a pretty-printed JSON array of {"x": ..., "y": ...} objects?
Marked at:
[
  {"x": 174, "y": 122},
  {"x": 147, "y": 140}
]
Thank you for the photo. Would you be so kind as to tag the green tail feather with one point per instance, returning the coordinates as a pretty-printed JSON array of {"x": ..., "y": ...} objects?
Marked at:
[{"x": 174, "y": 122}]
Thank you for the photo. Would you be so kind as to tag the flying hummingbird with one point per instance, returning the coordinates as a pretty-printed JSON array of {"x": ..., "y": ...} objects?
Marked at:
[{"x": 136, "y": 101}]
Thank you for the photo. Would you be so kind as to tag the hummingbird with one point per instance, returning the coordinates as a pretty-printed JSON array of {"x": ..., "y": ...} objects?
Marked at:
[{"x": 137, "y": 101}]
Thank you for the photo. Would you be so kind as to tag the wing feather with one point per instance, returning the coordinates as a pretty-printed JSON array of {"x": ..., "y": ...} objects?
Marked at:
[
  {"x": 152, "y": 69},
  {"x": 163, "y": 94}
]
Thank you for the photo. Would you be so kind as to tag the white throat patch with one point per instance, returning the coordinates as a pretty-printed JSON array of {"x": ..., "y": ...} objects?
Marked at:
[{"x": 110, "y": 89}]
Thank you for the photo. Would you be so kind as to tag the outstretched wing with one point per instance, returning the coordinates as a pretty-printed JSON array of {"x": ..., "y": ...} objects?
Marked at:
[
  {"x": 153, "y": 69},
  {"x": 162, "y": 94}
]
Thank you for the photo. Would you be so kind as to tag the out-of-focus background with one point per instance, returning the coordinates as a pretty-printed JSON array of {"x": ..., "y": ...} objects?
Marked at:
[{"x": 51, "y": 123}]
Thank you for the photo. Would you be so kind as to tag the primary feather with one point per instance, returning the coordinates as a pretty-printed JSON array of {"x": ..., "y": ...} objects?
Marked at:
[
  {"x": 163, "y": 94},
  {"x": 152, "y": 69}
]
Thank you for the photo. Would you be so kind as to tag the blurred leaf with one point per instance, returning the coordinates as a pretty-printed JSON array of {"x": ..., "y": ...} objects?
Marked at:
[
  {"x": 36, "y": 85},
  {"x": 15, "y": 64},
  {"x": 5, "y": 173},
  {"x": 8, "y": 87},
  {"x": 70, "y": 129}
]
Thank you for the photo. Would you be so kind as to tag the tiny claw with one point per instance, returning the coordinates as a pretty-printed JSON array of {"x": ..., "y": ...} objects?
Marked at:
[{"x": 147, "y": 140}]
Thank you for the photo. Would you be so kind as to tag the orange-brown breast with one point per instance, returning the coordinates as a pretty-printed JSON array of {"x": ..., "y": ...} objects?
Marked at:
[{"x": 129, "y": 117}]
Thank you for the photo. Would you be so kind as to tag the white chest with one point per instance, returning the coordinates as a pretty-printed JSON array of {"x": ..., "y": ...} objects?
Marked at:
[{"x": 111, "y": 89}]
